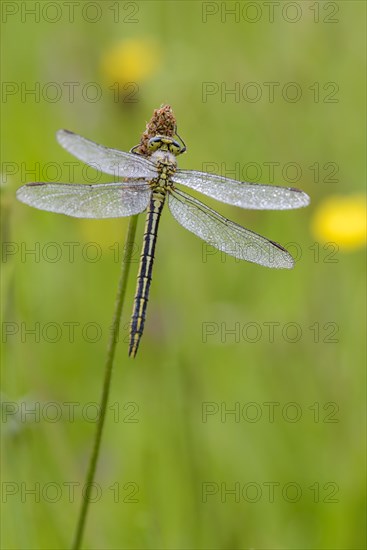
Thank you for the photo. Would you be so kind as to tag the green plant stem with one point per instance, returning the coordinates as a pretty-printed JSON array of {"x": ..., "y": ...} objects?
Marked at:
[{"x": 125, "y": 268}]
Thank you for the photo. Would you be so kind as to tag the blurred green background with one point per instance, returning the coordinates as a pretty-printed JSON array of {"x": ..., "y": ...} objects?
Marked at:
[{"x": 177, "y": 469}]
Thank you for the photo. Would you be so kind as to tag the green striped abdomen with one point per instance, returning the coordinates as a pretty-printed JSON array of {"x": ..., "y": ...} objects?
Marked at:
[{"x": 145, "y": 270}]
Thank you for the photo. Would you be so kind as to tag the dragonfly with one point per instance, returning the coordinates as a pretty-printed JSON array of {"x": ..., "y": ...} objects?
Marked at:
[{"x": 145, "y": 184}]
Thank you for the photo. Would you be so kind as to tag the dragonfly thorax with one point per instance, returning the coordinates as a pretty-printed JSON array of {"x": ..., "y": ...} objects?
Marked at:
[
  {"x": 164, "y": 159},
  {"x": 166, "y": 166}
]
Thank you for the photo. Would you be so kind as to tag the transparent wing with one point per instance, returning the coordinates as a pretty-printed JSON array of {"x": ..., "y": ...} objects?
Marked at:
[
  {"x": 225, "y": 235},
  {"x": 110, "y": 161},
  {"x": 109, "y": 200},
  {"x": 240, "y": 193}
]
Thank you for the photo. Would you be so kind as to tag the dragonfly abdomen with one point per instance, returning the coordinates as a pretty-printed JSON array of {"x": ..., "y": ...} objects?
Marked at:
[{"x": 145, "y": 270}]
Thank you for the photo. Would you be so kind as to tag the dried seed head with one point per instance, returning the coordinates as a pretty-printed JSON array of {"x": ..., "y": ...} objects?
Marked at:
[{"x": 162, "y": 123}]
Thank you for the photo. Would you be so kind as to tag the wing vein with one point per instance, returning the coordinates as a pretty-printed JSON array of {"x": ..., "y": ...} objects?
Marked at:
[
  {"x": 225, "y": 235},
  {"x": 240, "y": 193}
]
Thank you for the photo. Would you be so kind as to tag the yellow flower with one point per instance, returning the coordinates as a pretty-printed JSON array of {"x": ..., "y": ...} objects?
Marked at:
[
  {"x": 341, "y": 219},
  {"x": 130, "y": 60}
]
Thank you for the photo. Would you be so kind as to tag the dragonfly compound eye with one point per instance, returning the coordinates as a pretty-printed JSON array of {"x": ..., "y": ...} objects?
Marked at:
[
  {"x": 154, "y": 143},
  {"x": 175, "y": 147}
]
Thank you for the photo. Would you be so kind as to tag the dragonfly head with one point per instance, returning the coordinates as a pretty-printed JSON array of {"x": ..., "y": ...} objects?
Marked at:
[{"x": 164, "y": 143}]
